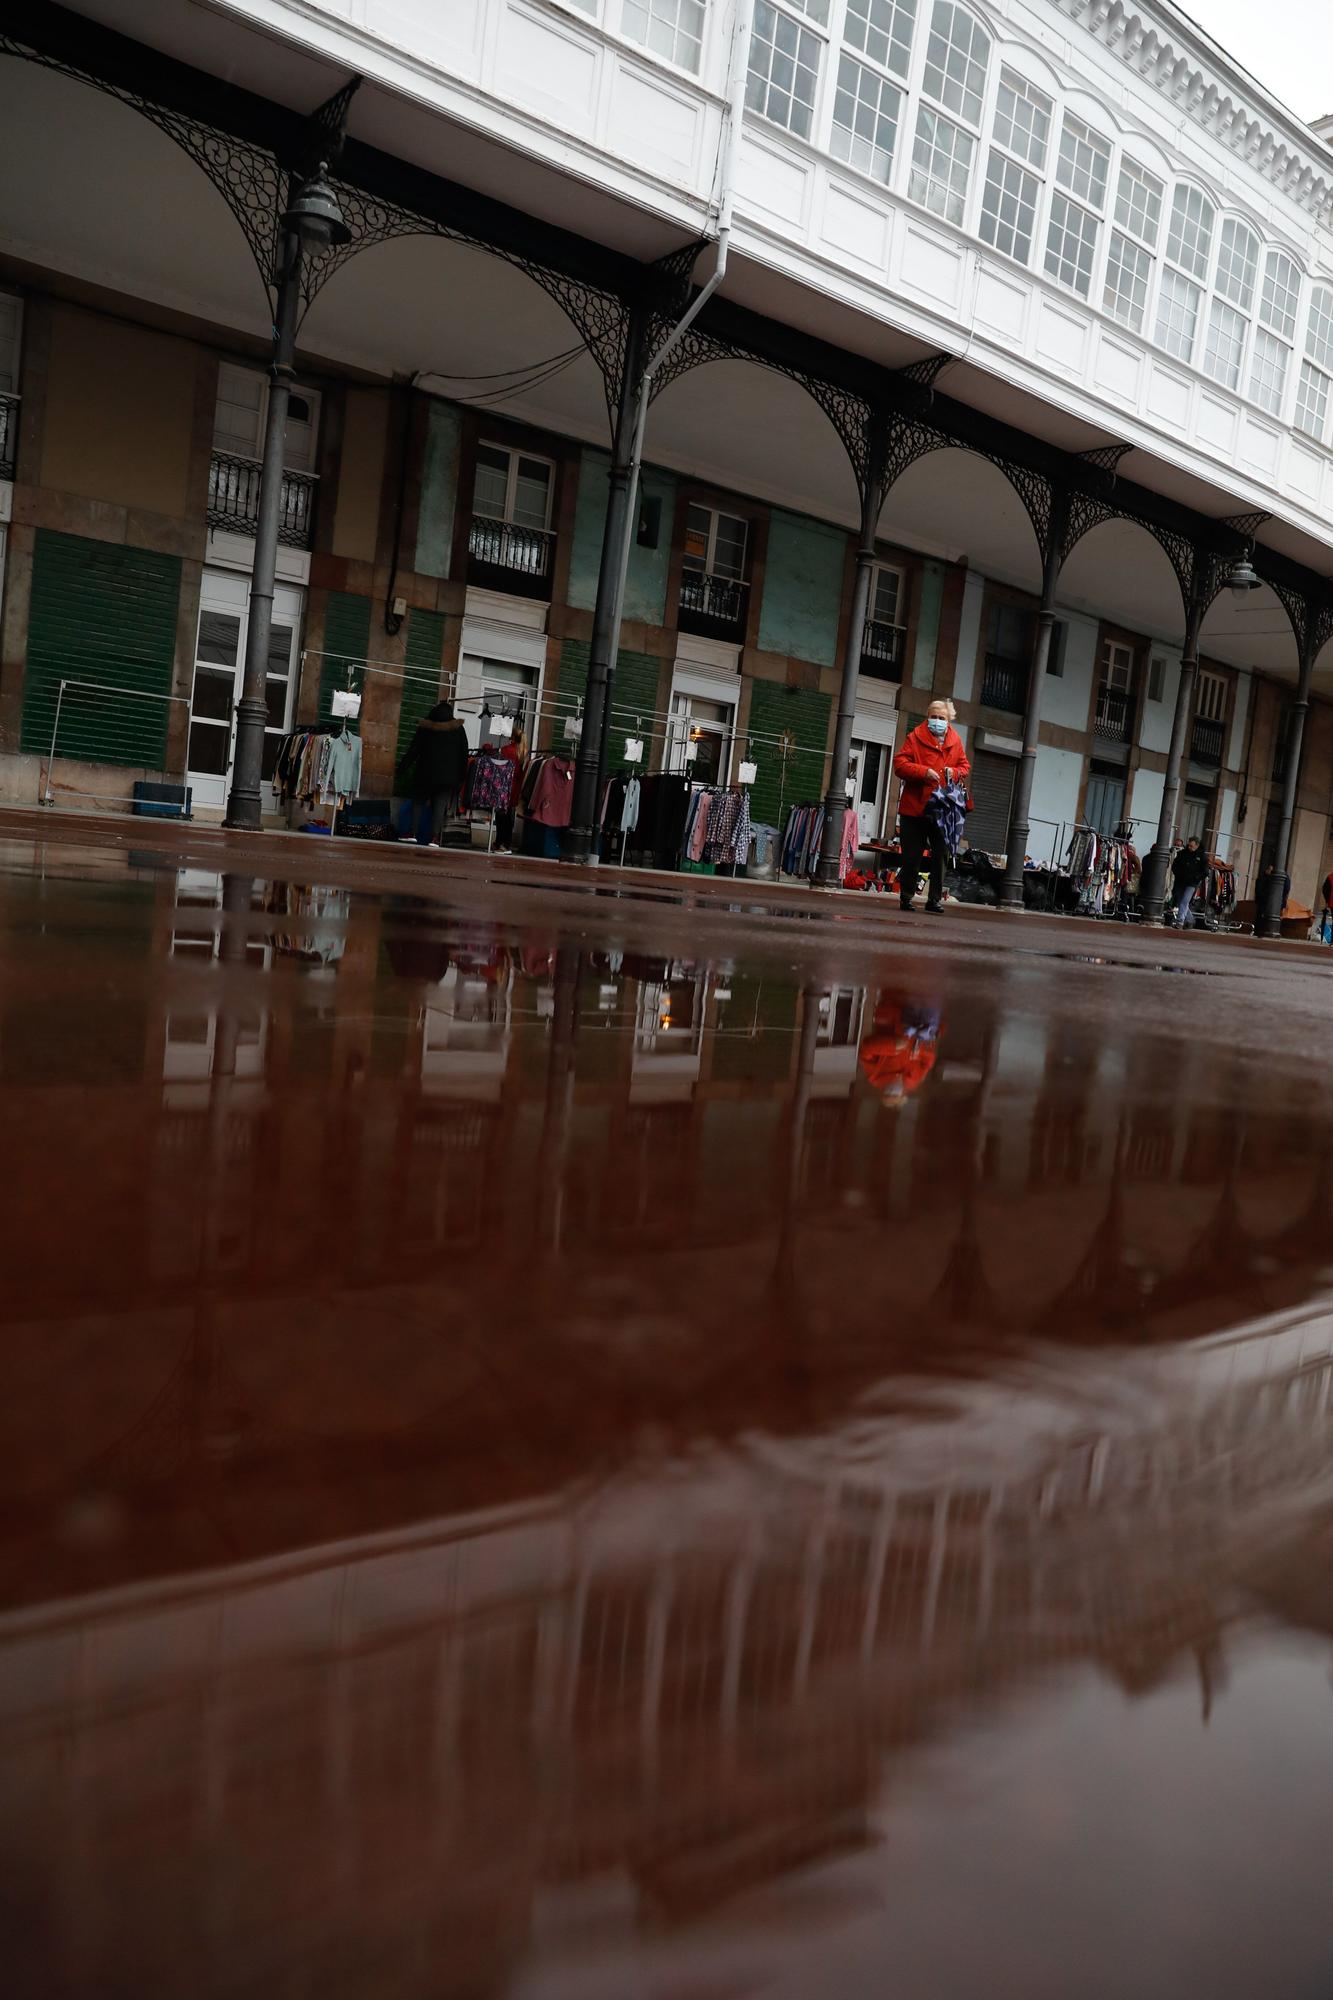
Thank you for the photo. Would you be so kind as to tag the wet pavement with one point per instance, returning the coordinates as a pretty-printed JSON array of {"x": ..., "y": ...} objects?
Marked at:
[{"x": 576, "y": 1445}]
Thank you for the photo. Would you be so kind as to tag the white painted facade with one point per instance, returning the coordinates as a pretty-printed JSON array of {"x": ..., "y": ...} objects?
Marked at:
[{"x": 1172, "y": 284}]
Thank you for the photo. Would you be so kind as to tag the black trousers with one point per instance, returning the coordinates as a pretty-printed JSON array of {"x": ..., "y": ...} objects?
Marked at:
[{"x": 915, "y": 839}]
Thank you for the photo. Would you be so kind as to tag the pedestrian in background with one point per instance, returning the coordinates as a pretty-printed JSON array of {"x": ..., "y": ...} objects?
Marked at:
[
  {"x": 432, "y": 771},
  {"x": 931, "y": 756},
  {"x": 515, "y": 753},
  {"x": 1189, "y": 872}
]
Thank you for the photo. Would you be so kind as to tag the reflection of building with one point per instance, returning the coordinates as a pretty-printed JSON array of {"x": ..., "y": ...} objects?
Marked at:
[
  {"x": 1109, "y": 256},
  {"x": 476, "y": 1478}
]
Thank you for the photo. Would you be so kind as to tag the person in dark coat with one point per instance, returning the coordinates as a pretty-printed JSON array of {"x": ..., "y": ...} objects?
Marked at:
[
  {"x": 433, "y": 769},
  {"x": 1189, "y": 872}
]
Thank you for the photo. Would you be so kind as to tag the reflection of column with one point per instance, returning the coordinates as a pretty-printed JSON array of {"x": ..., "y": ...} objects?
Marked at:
[
  {"x": 785, "y": 1273},
  {"x": 553, "y": 1145},
  {"x": 237, "y": 894},
  {"x": 939, "y": 1540}
]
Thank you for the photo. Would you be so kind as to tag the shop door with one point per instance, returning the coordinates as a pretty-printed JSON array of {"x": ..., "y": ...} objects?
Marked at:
[
  {"x": 511, "y": 690},
  {"x": 870, "y": 772},
  {"x": 219, "y": 667},
  {"x": 1104, "y": 807},
  {"x": 992, "y": 788}
]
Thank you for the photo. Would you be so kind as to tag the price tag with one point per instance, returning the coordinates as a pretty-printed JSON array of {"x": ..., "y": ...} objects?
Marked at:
[
  {"x": 574, "y": 728},
  {"x": 850, "y": 788},
  {"x": 691, "y": 752},
  {"x": 749, "y": 772},
  {"x": 345, "y": 702},
  {"x": 502, "y": 725},
  {"x": 633, "y": 749}
]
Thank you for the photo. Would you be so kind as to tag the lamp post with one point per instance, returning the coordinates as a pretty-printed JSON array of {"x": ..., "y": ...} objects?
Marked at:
[{"x": 313, "y": 222}]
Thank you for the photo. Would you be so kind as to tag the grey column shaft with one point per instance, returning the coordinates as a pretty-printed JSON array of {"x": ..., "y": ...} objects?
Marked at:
[
  {"x": 617, "y": 541},
  {"x": 1020, "y": 814},
  {"x": 827, "y": 868},
  {"x": 1154, "y": 882},
  {"x": 243, "y": 803},
  {"x": 1271, "y": 916}
]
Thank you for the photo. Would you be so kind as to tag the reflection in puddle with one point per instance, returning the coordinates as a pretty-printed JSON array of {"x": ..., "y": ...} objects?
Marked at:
[{"x": 548, "y": 1467}]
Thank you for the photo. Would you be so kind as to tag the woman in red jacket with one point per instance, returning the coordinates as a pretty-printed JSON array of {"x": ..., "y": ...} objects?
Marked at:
[{"x": 930, "y": 756}]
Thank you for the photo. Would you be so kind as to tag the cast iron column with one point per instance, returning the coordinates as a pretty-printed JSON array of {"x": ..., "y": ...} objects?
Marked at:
[
  {"x": 1154, "y": 874},
  {"x": 617, "y": 540},
  {"x": 1271, "y": 916},
  {"x": 243, "y": 802},
  {"x": 1020, "y": 822},
  {"x": 827, "y": 868}
]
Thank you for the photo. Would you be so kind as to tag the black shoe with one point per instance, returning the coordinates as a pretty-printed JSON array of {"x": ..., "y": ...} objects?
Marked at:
[
  {"x": 906, "y": 908},
  {"x": 934, "y": 909}
]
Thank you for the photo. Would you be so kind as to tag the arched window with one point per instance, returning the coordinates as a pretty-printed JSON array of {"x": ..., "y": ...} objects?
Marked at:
[
  {"x": 1138, "y": 221},
  {"x": 1017, "y": 160},
  {"x": 1082, "y": 173},
  {"x": 1278, "y": 301},
  {"x": 954, "y": 82},
  {"x": 1189, "y": 244},
  {"x": 867, "y": 105},
  {"x": 1317, "y": 368}
]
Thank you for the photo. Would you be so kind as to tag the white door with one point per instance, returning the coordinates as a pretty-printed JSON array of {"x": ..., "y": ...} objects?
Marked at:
[
  {"x": 219, "y": 667},
  {"x": 870, "y": 772}
]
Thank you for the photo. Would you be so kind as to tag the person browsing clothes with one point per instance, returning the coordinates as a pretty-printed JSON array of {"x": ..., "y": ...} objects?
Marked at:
[
  {"x": 931, "y": 756},
  {"x": 1189, "y": 872}
]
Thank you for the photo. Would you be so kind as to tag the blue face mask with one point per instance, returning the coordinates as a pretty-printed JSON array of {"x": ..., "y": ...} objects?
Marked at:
[{"x": 938, "y": 727}]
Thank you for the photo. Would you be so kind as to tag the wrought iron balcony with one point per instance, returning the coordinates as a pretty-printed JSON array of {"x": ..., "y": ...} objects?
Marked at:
[
  {"x": 712, "y": 604},
  {"x": 1206, "y": 742},
  {"x": 1004, "y": 684},
  {"x": 504, "y": 556},
  {"x": 233, "y": 499},
  {"x": 1113, "y": 718},
  {"x": 882, "y": 650},
  {"x": 9, "y": 434}
]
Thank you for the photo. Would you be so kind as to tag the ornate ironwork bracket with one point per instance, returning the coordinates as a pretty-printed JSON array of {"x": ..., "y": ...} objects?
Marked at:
[
  {"x": 249, "y": 179},
  {"x": 1310, "y": 618}
]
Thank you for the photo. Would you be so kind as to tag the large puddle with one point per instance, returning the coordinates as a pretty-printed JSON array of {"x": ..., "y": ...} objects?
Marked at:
[{"x": 535, "y": 1465}]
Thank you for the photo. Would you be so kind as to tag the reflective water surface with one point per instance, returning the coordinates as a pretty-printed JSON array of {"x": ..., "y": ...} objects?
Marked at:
[{"x": 530, "y": 1466}]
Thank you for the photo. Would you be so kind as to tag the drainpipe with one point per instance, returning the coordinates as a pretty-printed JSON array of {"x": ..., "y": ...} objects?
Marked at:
[{"x": 601, "y": 670}]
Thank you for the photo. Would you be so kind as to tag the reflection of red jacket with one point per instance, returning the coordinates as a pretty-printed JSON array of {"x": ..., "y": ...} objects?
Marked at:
[
  {"x": 922, "y": 763},
  {"x": 901, "y": 1053}
]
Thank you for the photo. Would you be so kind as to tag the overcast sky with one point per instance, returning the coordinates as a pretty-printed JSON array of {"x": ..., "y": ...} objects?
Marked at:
[{"x": 1286, "y": 44}]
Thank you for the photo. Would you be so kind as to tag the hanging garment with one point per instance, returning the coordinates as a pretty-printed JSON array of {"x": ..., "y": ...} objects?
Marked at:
[
  {"x": 488, "y": 786},
  {"x": 550, "y": 799},
  {"x": 344, "y": 765}
]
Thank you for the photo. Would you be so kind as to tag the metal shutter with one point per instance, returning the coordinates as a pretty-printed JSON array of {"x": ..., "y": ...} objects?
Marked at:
[
  {"x": 105, "y": 614},
  {"x": 992, "y": 788}
]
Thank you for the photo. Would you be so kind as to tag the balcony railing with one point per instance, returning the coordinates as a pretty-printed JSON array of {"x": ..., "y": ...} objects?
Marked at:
[
  {"x": 1206, "y": 742},
  {"x": 712, "y": 604},
  {"x": 502, "y": 555},
  {"x": 1113, "y": 718},
  {"x": 1004, "y": 684},
  {"x": 882, "y": 650},
  {"x": 9, "y": 434},
  {"x": 233, "y": 499}
]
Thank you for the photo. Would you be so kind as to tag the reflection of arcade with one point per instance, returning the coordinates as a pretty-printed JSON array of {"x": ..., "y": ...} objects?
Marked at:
[{"x": 328, "y": 1442}]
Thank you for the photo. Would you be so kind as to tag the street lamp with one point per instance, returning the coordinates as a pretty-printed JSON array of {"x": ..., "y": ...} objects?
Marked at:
[
  {"x": 312, "y": 223},
  {"x": 1243, "y": 578}
]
